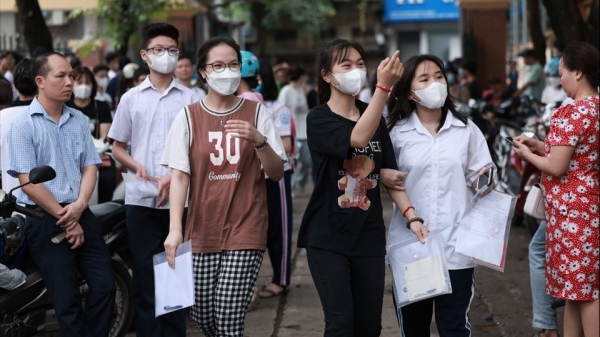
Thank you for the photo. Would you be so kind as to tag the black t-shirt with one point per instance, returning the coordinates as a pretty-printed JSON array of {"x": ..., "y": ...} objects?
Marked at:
[
  {"x": 474, "y": 89},
  {"x": 97, "y": 111},
  {"x": 344, "y": 213}
]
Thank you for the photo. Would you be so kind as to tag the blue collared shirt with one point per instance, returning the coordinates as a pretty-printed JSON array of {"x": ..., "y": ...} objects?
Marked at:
[{"x": 37, "y": 139}]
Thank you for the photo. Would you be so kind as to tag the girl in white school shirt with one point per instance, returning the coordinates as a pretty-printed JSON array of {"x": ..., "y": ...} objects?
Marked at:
[{"x": 443, "y": 154}]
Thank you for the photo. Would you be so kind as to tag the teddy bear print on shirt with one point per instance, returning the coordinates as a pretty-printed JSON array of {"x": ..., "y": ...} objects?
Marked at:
[{"x": 355, "y": 184}]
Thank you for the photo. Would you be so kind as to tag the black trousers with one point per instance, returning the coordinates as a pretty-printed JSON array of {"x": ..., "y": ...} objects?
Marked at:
[
  {"x": 451, "y": 310},
  {"x": 351, "y": 291},
  {"x": 279, "y": 235},
  {"x": 147, "y": 230},
  {"x": 59, "y": 266}
]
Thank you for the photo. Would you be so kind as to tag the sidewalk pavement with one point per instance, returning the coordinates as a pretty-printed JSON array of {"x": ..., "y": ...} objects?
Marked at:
[
  {"x": 299, "y": 313},
  {"x": 501, "y": 305}
]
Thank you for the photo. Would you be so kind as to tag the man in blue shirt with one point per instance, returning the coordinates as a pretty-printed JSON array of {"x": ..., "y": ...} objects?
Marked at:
[{"x": 50, "y": 133}]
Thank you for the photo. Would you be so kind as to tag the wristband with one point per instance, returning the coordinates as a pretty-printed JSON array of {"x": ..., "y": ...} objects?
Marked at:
[
  {"x": 413, "y": 220},
  {"x": 406, "y": 210},
  {"x": 388, "y": 90}
]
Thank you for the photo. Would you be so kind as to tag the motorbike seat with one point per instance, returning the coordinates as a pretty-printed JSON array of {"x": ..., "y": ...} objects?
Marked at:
[{"x": 108, "y": 214}]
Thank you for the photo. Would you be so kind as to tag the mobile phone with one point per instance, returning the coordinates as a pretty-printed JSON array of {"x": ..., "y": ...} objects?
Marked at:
[
  {"x": 486, "y": 178},
  {"x": 511, "y": 141}
]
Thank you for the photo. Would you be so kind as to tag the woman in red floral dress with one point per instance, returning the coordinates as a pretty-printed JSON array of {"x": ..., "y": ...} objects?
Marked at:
[{"x": 569, "y": 158}]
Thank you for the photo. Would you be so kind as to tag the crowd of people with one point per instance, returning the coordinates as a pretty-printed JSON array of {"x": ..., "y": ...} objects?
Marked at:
[{"x": 229, "y": 139}]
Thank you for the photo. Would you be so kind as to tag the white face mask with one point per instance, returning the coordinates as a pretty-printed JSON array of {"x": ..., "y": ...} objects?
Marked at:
[
  {"x": 350, "y": 82},
  {"x": 82, "y": 91},
  {"x": 224, "y": 83},
  {"x": 434, "y": 96},
  {"x": 102, "y": 83},
  {"x": 164, "y": 64}
]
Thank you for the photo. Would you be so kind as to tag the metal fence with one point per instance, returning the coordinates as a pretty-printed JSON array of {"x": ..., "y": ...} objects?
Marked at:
[{"x": 17, "y": 44}]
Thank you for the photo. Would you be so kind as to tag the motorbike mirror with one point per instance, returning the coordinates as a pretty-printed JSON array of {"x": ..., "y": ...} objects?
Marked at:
[{"x": 41, "y": 174}]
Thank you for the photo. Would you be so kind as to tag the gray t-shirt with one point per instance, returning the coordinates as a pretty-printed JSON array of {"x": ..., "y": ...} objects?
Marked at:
[{"x": 535, "y": 76}]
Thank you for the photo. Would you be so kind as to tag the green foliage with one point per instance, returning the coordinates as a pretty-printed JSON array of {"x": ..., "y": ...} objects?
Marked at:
[
  {"x": 309, "y": 15},
  {"x": 122, "y": 17}
]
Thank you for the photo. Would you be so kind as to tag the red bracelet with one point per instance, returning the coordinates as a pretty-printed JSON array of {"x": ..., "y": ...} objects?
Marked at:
[
  {"x": 406, "y": 210},
  {"x": 388, "y": 90}
]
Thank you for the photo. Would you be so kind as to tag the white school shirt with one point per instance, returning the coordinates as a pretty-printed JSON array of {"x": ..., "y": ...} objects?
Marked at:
[
  {"x": 144, "y": 117},
  {"x": 440, "y": 173},
  {"x": 7, "y": 116},
  {"x": 295, "y": 99},
  {"x": 177, "y": 150},
  {"x": 282, "y": 118}
]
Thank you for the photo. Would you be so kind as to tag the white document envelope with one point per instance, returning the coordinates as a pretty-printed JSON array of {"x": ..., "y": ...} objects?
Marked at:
[
  {"x": 138, "y": 187},
  {"x": 174, "y": 287}
]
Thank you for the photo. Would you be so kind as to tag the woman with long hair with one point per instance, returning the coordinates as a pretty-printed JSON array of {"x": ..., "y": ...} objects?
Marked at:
[
  {"x": 443, "y": 154},
  {"x": 220, "y": 149},
  {"x": 569, "y": 158},
  {"x": 342, "y": 228}
]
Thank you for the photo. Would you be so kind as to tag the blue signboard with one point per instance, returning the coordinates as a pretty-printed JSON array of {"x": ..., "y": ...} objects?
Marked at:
[{"x": 420, "y": 10}]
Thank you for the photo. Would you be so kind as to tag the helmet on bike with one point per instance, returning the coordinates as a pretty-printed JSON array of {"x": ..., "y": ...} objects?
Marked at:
[
  {"x": 250, "y": 64},
  {"x": 12, "y": 237}
]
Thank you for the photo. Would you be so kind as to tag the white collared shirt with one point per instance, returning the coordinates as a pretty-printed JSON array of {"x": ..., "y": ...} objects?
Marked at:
[
  {"x": 144, "y": 117},
  {"x": 440, "y": 170}
]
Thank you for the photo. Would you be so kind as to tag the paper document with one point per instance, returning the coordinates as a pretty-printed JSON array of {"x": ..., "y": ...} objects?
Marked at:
[
  {"x": 138, "y": 187},
  {"x": 174, "y": 287},
  {"x": 424, "y": 277},
  {"x": 484, "y": 228}
]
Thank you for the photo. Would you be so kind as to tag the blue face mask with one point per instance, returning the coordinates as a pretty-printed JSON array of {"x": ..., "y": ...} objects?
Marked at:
[
  {"x": 450, "y": 78},
  {"x": 460, "y": 72}
]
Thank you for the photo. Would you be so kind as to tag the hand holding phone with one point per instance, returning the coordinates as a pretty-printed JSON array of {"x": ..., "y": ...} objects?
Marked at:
[
  {"x": 486, "y": 178},
  {"x": 511, "y": 141}
]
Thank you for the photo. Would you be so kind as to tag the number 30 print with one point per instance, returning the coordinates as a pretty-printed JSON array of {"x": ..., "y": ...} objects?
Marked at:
[{"x": 232, "y": 154}]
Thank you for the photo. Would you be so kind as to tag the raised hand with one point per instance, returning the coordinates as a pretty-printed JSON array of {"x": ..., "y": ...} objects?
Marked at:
[{"x": 390, "y": 70}]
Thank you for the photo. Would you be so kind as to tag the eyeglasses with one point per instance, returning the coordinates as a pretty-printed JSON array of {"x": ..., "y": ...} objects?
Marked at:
[
  {"x": 159, "y": 51},
  {"x": 220, "y": 66}
]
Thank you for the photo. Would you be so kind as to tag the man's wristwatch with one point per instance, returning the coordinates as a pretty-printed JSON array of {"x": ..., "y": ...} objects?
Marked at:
[{"x": 262, "y": 146}]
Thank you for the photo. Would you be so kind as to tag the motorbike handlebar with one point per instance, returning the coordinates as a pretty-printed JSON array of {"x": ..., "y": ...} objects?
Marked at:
[{"x": 29, "y": 212}]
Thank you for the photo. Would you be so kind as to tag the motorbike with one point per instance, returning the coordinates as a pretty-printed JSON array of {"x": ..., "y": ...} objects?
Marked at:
[{"x": 27, "y": 310}]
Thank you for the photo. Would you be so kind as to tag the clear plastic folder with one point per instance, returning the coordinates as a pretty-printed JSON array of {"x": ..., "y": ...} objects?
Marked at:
[
  {"x": 484, "y": 229},
  {"x": 418, "y": 269}
]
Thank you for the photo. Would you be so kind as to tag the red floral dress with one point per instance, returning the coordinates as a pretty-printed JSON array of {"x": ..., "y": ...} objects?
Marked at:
[{"x": 572, "y": 202}]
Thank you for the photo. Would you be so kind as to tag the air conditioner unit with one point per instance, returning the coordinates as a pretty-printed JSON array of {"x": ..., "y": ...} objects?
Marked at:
[{"x": 57, "y": 18}]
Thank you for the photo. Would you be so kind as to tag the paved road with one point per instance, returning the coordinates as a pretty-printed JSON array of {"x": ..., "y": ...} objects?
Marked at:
[{"x": 501, "y": 306}]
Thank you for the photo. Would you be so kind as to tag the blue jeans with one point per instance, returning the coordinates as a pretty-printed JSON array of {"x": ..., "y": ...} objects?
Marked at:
[
  {"x": 300, "y": 176},
  {"x": 544, "y": 317}
]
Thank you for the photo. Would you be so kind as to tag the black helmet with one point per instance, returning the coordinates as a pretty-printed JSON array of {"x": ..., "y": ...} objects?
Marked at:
[{"x": 12, "y": 237}]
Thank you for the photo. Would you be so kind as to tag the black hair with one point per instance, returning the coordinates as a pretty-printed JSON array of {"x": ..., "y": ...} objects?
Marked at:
[
  {"x": 403, "y": 107},
  {"x": 295, "y": 73},
  {"x": 111, "y": 56},
  {"x": 252, "y": 82},
  {"x": 100, "y": 67},
  {"x": 582, "y": 56},
  {"x": 80, "y": 71},
  {"x": 202, "y": 54},
  {"x": 268, "y": 89},
  {"x": 152, "y": 30},
  {"x": 123, "y": 61},
  {"x": 330, "y": 53},
  {"x": 16, "y": 56},
  {"x": 495, "y": 80},
  {"x": 40, "y": 65},
  {"x": 6, "y": 94},
  {"x": 23, "y": 79},
  {"x": 141, "y": 70},
  {"x": 469, "y": 65},
  {"x": 186, "y": 58}
]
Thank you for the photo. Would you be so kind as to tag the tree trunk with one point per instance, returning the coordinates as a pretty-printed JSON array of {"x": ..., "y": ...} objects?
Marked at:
[
  {"x": 535, "y": 29},
  {"x": 566, "y": 21},
  {"x": 124, "y": 45},
  {"x": 258, "y": 11},
  {"x": 35, "y": 30}
]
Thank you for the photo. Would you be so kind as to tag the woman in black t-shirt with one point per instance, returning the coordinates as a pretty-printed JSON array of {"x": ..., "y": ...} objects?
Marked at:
[
  {"x": 82, "y": 99},
  {"x": 342, "y": 228}
]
